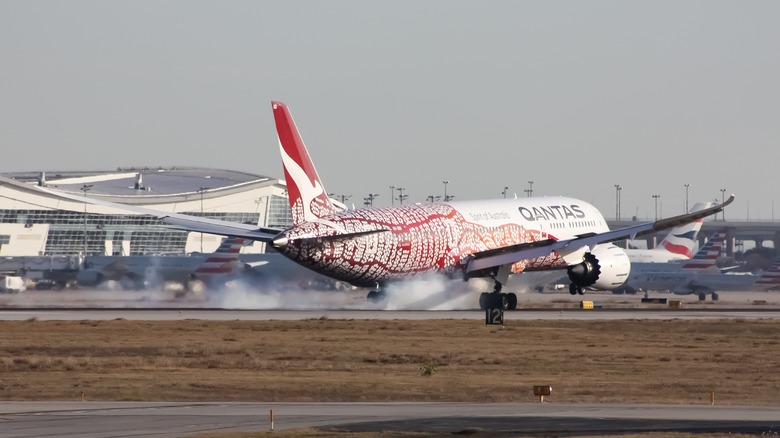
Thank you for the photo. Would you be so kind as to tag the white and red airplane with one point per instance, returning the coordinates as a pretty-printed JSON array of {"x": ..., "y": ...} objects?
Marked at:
[
  {"x": 486, "y": 238},
  {"x": 483, "y": 238}
]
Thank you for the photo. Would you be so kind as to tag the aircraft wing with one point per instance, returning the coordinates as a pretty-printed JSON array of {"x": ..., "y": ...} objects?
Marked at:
[
  {"x": 531, "y": 250},
  {"x": 180, "y": 221}
]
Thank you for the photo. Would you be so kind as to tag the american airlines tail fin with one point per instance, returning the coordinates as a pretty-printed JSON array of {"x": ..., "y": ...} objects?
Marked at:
[
  {"x": 224, "y": 260},
  {"x": 708, "y": 254},
  {"x": 308, "y": 198},
  {"x": 680, "y": 240},
  {"x": 770, "y": 278}
]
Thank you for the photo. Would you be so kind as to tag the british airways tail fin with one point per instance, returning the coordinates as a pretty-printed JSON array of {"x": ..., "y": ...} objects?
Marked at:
[
  {"x": 308, "y": 198},
  {"x": 680, "y": 240},
  {"x": 708, "y": 254}
]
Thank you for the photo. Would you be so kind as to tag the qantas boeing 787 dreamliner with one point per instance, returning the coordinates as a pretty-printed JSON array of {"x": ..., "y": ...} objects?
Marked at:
[{"x": 487, "y": 238}]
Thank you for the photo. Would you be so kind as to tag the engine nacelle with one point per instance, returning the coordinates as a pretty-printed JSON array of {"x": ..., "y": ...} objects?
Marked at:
[{"x": 604, "y": 268}]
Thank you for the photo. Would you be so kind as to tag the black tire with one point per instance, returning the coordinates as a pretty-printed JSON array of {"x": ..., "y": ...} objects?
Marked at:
[
  {"x": 484, "y": 300},
  {"x": 512, "y": 301},
  {"x": 573, "y": 289},
  {"x": 375, "y": 296},
  {"x": 503, "y": 301},
  {"x": 714, "y": 296},
  {"x": 702, "y": 296},
  {"x": 580, "y": 290}
]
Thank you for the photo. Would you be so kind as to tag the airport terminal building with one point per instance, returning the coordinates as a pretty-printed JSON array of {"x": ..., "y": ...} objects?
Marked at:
[{"x": 36, "y": 221}]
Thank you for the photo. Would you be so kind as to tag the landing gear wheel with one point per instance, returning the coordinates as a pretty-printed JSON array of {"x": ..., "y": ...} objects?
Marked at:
[
  {"x": 575, "y": 289},
  {"x": 503, "y": 301},
  {"x": 702, "y": 296},
  {"x": 492, "y": 300},
  {"x": 484, "y": 300},
  {"x": 375, "y": 296},
  {"x": 512, "y": 298},
  {"x": 714, "y": 296}
]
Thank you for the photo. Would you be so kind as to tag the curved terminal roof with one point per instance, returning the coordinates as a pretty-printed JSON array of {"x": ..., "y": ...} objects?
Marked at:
[{"x": 139, "y": 183}]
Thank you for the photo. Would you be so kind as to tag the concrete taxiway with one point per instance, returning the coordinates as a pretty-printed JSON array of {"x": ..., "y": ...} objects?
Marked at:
[{"x": 111, "y": 419}]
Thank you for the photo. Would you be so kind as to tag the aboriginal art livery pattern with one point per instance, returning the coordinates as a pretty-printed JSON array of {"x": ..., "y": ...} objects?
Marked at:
[
  {"x": 393, "y": 243},
  {"x": 365, "y": 247}
]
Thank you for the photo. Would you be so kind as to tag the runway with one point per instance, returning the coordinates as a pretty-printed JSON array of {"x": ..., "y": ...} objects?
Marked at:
[
  {"x": 298, "y": 305},
  {"x": 112, "y": 419},
  {"x": 65, "y": 314}
]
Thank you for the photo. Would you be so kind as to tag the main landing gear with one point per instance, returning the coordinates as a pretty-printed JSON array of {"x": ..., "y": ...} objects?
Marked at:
[
  {"x": 497, "y": 299},
  {"x": 576, "y": 289},
  {"x": 375, "y": 296}
]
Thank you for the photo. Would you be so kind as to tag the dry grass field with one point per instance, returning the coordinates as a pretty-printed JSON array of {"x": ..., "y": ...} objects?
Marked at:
[
  {"x": 356, "y": 360},
  {"x": 329, "y": 433}
]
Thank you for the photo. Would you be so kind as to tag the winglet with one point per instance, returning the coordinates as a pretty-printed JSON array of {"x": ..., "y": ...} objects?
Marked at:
[
  {"x": 308, "y": 198},
  {"x": 690, "y": 217}
]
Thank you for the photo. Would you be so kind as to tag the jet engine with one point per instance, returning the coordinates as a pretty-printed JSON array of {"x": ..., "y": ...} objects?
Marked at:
[{"x": 604, "y": 268}]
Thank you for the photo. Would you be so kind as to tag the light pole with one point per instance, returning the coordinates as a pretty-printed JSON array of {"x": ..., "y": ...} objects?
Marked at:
[
  {"x": 392, "y": 194},
  {"x": 504, "y": 192},
  {"x": 432, "y": 198},
  {"x": 85, "y": 188},
  {"x": 201, "y": 190},
  {"x": 446, "y": 198},
  {"x": 401, "y": 195},
  {"x": 369, "y": 201},
  {"x": 655, "y": 198},
  {"x": 617, "y": 201},
  {"x": 723, "y": 200},
  {"x": 687, "y": 186},
  {"x": 342, "y": 198},
  {"x": 530, "y": 190}
]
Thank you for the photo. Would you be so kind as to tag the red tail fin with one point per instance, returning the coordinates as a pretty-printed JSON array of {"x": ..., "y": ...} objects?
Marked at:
[
  {"x": 225, "y": 259},
  {"x": 771, "y": 276},
  {"x": 308, "y": 198}
]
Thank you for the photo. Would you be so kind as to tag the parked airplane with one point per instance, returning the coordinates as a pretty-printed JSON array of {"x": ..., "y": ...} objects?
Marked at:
[
  {"x": 213, "y": 270},
  {"x": 677, "y": 245},
  {"x": 139, "y": 272},
  {"x": 700, "y": 275},
  {"x": 371, "y": 247},
  {"x": 704, "y": 259}
]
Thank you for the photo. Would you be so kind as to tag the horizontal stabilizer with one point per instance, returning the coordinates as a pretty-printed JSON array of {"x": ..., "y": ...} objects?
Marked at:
[
  {"x": 282, "y": 241},
  {"x": 222, "y": 228},
  {"x": 180, "y": 221}
]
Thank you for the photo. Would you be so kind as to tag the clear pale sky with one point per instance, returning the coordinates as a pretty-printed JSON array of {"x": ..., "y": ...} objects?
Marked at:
[{"x": 576, "y": 96}]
